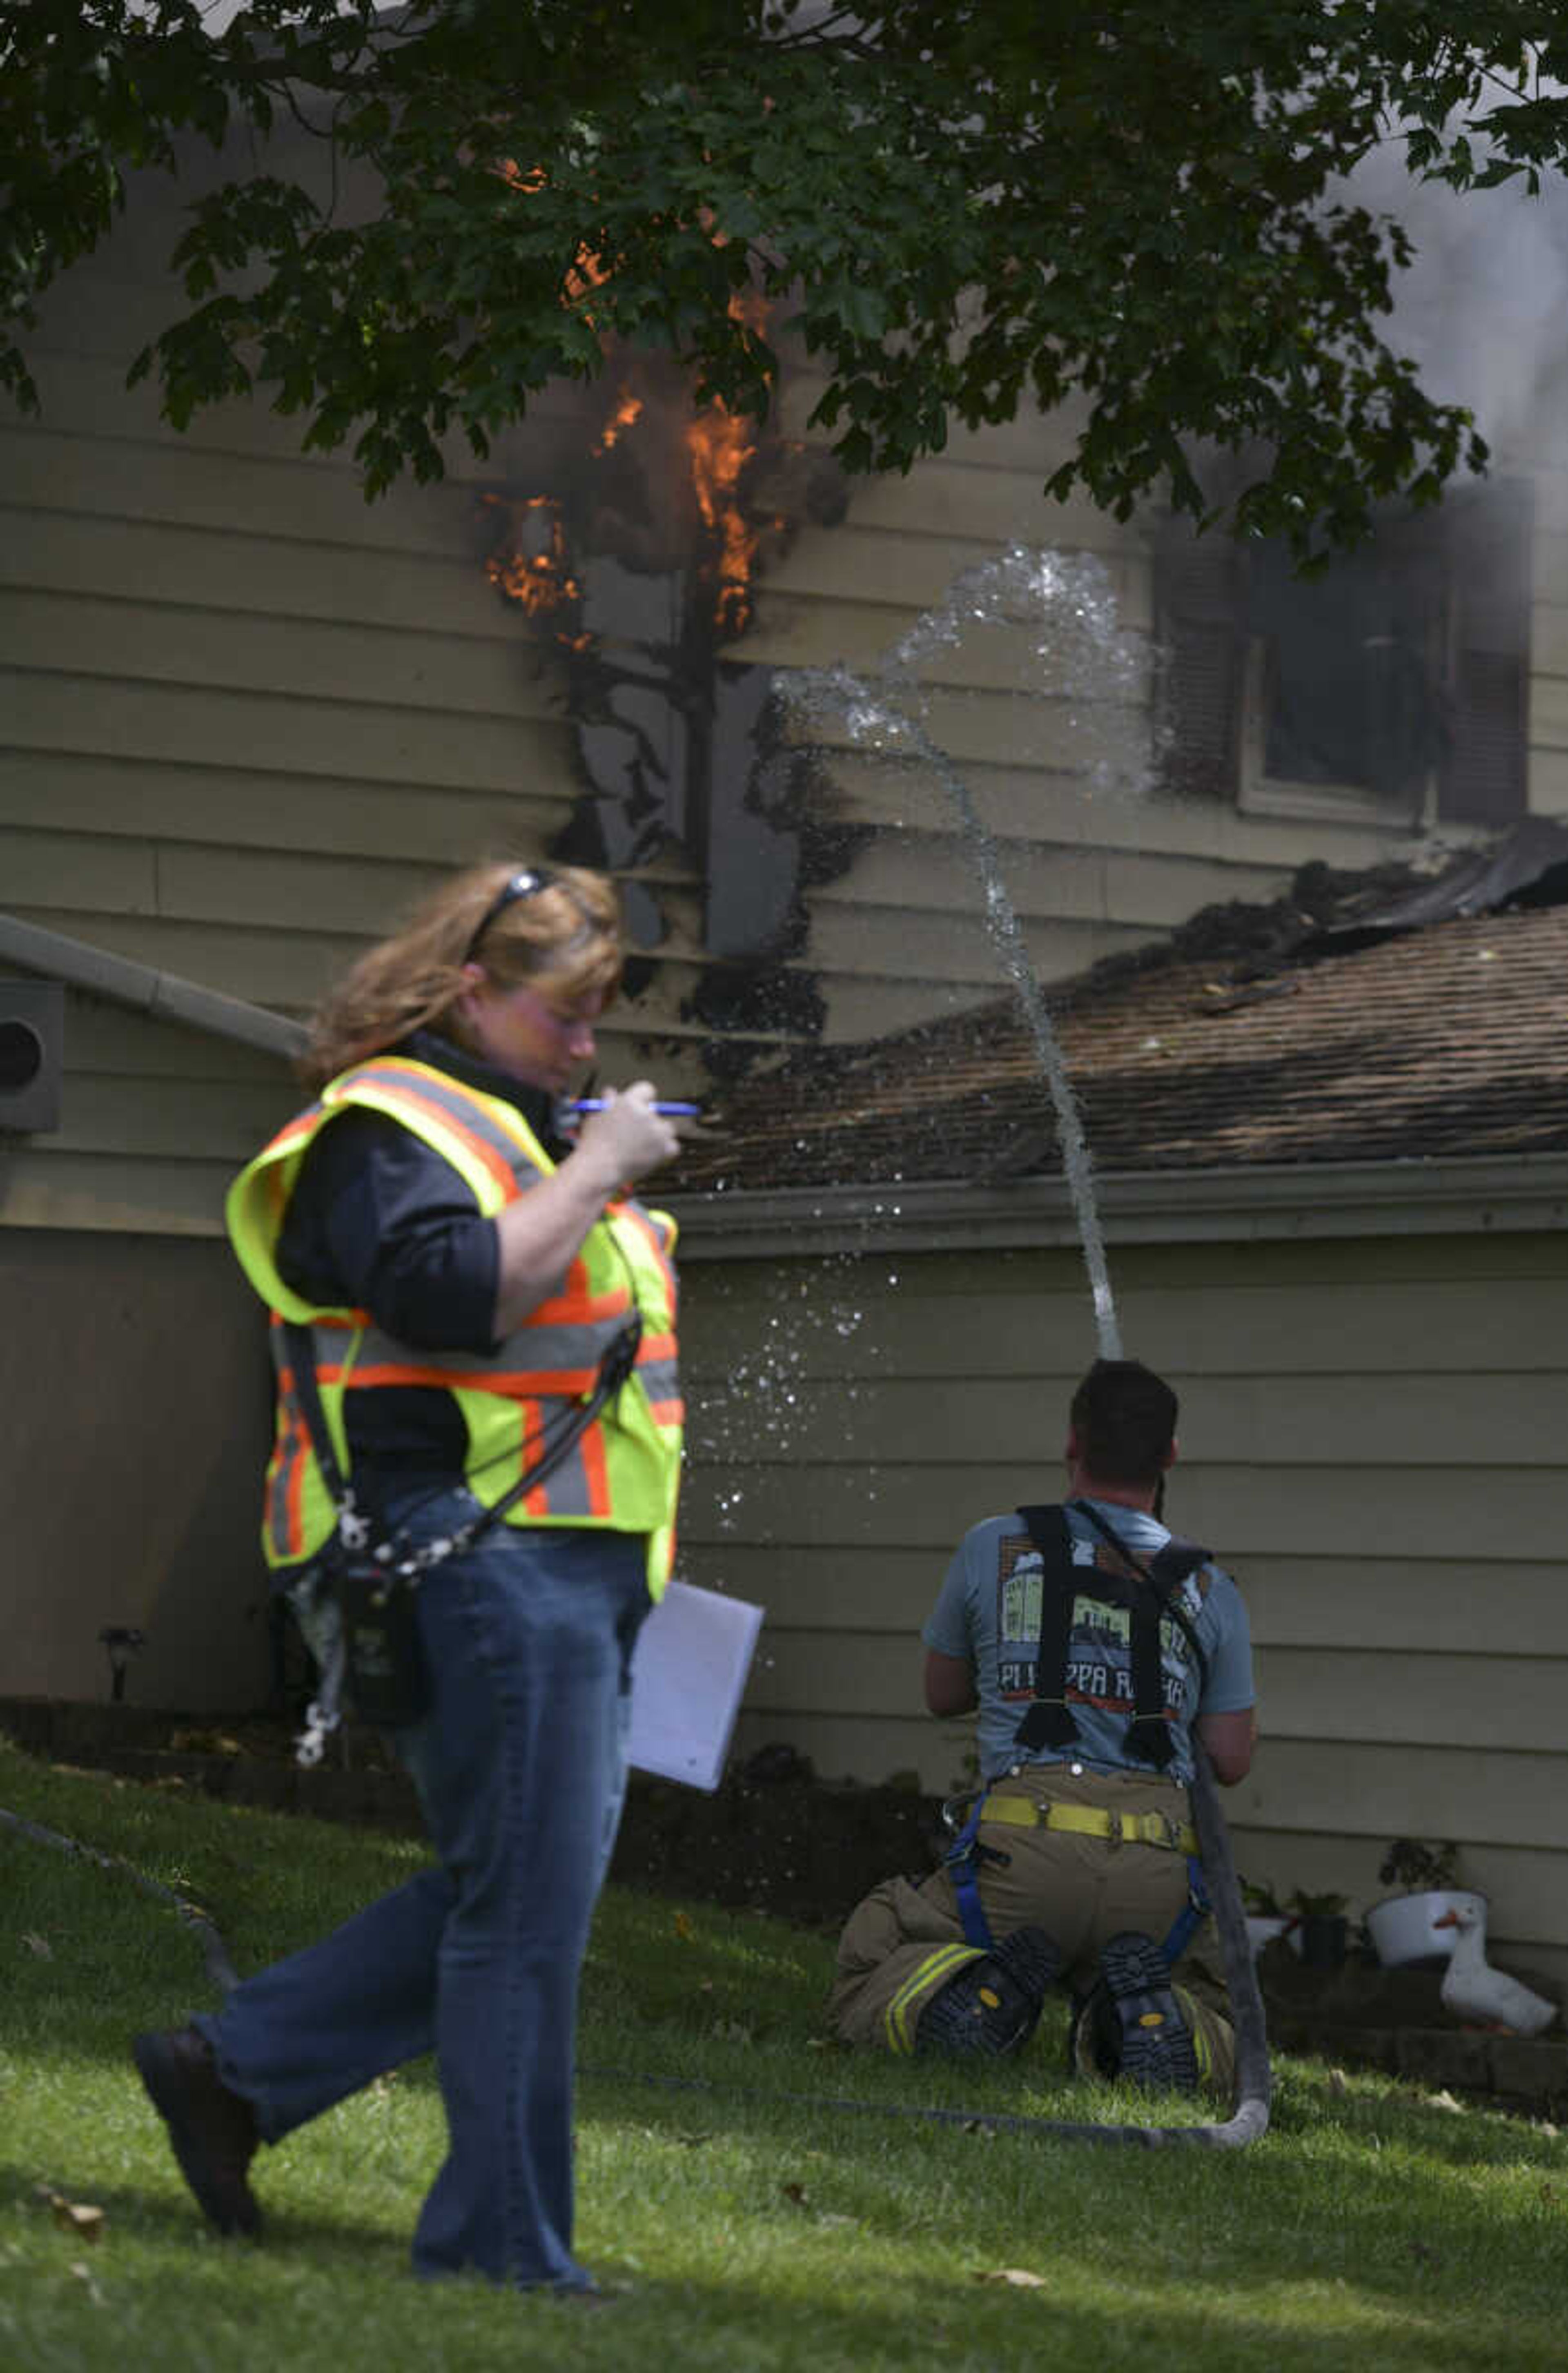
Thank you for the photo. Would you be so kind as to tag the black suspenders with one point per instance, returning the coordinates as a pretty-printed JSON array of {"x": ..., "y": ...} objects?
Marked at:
[{"x": 1147, "y": 1590}]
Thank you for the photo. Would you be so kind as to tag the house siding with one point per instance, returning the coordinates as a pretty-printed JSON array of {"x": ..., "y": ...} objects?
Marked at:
[
  {"x": 137, "y": 1392},
  {"x": 1371, "y": 1440},
  {"x": 245, "y": 716}
]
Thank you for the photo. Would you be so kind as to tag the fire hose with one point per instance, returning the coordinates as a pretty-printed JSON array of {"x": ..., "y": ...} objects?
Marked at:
[{"x": 221, "y": 1969}]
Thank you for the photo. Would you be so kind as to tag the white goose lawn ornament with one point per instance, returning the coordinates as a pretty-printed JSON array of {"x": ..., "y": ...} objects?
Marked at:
[{"x": 1473, "y": 1990}]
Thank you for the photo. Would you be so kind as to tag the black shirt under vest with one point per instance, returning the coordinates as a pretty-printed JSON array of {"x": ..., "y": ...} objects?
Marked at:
[{"x": 380, "y": 1221}]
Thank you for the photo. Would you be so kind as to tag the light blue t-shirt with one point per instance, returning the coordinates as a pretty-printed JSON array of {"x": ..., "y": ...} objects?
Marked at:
[{"x": 989, "y": 1614}]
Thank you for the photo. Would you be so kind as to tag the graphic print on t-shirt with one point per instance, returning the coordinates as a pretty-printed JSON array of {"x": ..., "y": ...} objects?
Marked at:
[{"x": 1099, "y": 1656}]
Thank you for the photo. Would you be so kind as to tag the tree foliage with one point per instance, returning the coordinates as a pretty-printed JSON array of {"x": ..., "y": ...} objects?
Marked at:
[{"x": 956, "y": 210}]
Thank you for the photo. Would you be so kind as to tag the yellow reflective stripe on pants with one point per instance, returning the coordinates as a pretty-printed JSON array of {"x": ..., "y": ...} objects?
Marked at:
[
  {"x": 1197, "y": 2026},
  {"x": 934, "y": 1971}
]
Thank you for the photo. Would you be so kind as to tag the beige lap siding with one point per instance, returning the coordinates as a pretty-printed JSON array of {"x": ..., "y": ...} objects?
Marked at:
[{"x": 1371, "y": 1441}]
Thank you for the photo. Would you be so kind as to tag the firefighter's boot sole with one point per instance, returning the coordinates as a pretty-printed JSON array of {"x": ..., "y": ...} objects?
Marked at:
[
  {"x": 1135, "y": 2024},
  {"x": 993, "y": 2005}
]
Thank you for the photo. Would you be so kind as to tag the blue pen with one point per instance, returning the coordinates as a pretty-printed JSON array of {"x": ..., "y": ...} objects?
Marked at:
[{"x": 598, "y": 1104}]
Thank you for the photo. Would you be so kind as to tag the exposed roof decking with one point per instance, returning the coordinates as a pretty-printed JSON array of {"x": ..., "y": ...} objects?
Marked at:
[{"x": 1447, "y": 1042}]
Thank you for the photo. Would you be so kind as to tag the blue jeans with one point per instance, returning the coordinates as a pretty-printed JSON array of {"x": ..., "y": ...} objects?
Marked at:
[{"x": 521, "y": 1769}]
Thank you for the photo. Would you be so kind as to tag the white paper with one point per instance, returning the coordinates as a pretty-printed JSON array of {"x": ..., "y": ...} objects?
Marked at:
[{"x": 689, "y": 1671}]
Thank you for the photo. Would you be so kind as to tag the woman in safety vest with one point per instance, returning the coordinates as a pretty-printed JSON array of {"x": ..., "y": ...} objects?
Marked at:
[{"x": 471, "y": 1498}]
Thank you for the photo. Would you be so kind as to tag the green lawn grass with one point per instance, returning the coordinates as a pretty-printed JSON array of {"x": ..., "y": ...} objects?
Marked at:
[{"x": 737, "y": 2227}]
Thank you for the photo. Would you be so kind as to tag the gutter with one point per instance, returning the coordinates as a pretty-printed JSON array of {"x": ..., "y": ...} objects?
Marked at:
[
  {"x": 161, "y": 994},
  {"x": 1480, "y": 1194}
]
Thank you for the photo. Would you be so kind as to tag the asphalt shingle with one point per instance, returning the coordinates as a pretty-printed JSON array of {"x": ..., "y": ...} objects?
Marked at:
[{"x": 1450, "y": 1039}]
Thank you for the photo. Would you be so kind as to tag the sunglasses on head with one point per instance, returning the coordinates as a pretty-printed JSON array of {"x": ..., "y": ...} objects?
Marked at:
[{"x": 524, "y": 885}]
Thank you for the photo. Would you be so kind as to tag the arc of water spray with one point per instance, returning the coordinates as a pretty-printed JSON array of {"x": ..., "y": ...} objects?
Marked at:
[
  {"x": 880, "y": 717},
  {"x": 1072, "y": 595}
]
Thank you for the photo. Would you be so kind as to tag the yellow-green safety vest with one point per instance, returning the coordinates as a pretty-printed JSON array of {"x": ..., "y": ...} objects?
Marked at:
[{"x": 622, "y": 1472}]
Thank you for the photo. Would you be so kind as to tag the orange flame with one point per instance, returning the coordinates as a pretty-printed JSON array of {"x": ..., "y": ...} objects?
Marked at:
[
  {"x": 584, "y": 275},
  {"x": 528, "y": 564},
  {"x": 721, "y": 444},
  {"x": 627, "y": 411},
  {"x": 585, "y": 271}
]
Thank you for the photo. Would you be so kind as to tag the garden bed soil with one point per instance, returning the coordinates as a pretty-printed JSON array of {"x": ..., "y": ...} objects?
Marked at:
[{"x": 771, "y": 1838}]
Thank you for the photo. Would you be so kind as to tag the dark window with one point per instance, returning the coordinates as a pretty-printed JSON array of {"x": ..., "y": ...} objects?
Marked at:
[{"x": 1394, "y": 688}]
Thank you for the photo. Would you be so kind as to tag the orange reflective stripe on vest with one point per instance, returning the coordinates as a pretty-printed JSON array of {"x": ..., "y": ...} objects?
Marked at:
[
  {"x": 436, "y": 1108},
  {"x": 623, "y": 1470}
]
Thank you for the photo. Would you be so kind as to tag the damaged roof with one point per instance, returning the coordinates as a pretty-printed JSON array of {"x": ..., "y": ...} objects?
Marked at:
[{"x": 1378, "y": 1017}]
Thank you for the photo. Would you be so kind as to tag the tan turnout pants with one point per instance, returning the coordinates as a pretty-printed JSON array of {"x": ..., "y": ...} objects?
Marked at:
[{"x": 904, "y": 1941}]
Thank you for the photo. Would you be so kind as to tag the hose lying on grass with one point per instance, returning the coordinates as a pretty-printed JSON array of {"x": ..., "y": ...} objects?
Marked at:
[
  {"x": 1254, "y": 2077},
  {"x": 221, "y": 1969}
]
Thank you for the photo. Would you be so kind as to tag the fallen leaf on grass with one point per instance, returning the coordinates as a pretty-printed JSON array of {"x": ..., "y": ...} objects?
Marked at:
[
  {"x": 72, "y": 2215},
  {"x": 1017, "y": 2278},
  {"x": 683, "y": 1928}
]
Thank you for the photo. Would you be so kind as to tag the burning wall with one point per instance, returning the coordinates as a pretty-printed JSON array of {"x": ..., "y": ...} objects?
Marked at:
[{"x": 631, "y": 534}]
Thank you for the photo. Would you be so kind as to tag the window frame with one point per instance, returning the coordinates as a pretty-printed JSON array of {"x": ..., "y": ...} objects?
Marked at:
[{"x": 1210, "y": 711}]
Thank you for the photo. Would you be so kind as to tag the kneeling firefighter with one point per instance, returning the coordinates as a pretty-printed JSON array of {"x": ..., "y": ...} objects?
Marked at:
[{"x": 1096, "y": 1646}]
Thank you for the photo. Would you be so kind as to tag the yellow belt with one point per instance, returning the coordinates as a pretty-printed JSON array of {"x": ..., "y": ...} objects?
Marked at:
[{"x": 1091, "y": 1821}]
